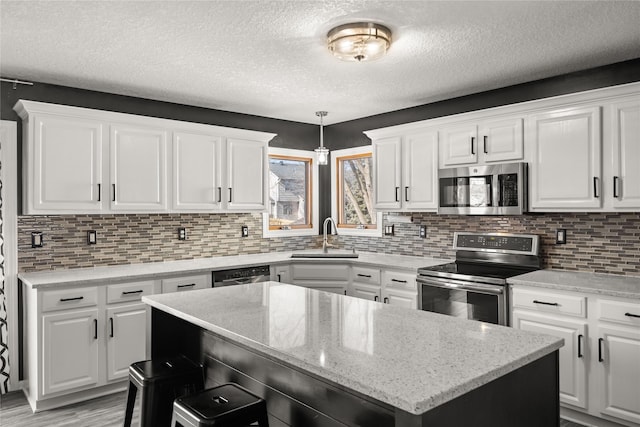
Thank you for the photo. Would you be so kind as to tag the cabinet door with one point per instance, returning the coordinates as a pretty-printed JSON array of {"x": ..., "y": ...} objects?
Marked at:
[
  {"x": 282, "y": 273},
  {"x": 626, "y": 155},
  {"x": 573, "y": 356},
  {"x": 620, "y": 368},
  {"x": 420, "y": 170},
  {"x": 197, "y": 173},
  {"x": 566, "y": 165},
  {"x": 190, "y": 283},
  {"x": 67, "y": 165},
  {"x": 459, "y": 145},
  {"x": 126, "y": 338},
  {"x": 386, "y": 173},
  {"x": 364, "y": 291},
  {"x": 138, "y": 168},
  {"x": 70, "y": 350},
  {"x": 501, "y": 140},
  {"x": 401, "y": 299},
  {"x": 246, "y": 175}
]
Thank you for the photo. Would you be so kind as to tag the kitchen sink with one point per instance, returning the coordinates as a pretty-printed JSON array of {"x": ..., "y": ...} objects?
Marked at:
[{"x": 320, "y": 254}]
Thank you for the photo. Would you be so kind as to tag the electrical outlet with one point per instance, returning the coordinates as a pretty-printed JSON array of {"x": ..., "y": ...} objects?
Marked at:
[
  {"x": 423, "y": 232},
  {"x": 388, "y": 230},
  {"x": 92, "y": 237},
  {"x": 182, "y": 233},
  {"x": 36, "y": 239},
  {"x": 561, "y": 236},
  {"x": 245, "y": 231}
]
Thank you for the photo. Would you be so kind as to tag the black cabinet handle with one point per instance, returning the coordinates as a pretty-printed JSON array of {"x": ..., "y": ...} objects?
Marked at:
[
  {"x": 111, "y": 327},
  {"x": 398, "y": 281},
  {"x": 473, "y": 139},
  {"x": 375, "y": 297},
  {"x": 99, "y": 192},
  {"x": 595, "y": 187},
  {"x": 71, "y": 299},
  {"x": 616, "y": 179},
  {"x": 555, "y": 304},
  {"x": 364, "y": 275},
  {"x": 632, "y": 315},
  {"x": 95, "y": 329},
  {"x": 600, "y": 341},
  {"x": 139, "y": 291},
  {"x": 485, "y": 145},
  {"x": 406, "y": 194},
  {"x": 230, "y": 194},
  {"x": 279, "y": 278},
  {"x": 345, "y": 292},
  {"x": 190, "y": 285},
  {"x": 219, "y": 194},
  {"x": 580, "y": 345},
  {"x": 386, "y": 300},
  {"x": 397, "y": 197},
  {"x": 114, "y": 192}
]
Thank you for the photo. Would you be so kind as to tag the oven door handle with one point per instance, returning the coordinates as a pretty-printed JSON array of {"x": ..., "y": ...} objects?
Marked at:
[{"x": 463, "y": 286}]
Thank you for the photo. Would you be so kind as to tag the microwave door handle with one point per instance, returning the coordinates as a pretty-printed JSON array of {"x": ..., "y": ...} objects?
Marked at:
[{"x": 463, "y": 286}]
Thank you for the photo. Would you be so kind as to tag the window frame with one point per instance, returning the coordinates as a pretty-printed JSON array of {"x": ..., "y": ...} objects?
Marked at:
[
  {"x": 336, "y": 193},
  {"x": 312, "y": 195}
]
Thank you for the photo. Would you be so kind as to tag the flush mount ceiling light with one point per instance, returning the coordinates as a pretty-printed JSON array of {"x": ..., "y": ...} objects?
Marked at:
[
  {"x": 322, "y": 152},
  {"x": 359, "y": 41}
]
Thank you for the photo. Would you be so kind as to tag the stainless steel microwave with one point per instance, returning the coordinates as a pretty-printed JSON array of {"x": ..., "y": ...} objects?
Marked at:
[{"x": 499, "y": 189}]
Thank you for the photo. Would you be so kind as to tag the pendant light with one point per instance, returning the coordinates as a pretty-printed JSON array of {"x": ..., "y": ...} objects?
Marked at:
[{"x": 322, "y": 152}]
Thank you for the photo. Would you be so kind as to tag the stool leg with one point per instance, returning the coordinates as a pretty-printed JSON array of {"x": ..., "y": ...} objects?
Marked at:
[{"x": 131, "y": 400}]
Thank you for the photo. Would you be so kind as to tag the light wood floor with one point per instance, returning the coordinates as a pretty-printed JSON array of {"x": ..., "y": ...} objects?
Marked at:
[{"x": 105, "y": 411}]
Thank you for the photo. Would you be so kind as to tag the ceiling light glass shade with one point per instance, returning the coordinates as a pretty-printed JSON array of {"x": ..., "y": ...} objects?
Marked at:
[
  {"x": 323, "y": 155},
  {"x": 360, "y": 41}
]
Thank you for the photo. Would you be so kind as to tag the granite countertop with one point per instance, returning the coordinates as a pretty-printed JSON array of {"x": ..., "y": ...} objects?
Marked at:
[
  {"x": 575, "y": 281},
  {"x": 155, "y": 270},
  {"x": 410, "y": 359}
]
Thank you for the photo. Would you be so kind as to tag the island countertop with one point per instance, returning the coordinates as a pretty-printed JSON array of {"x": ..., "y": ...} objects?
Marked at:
[{"x": 410, "y": 359}]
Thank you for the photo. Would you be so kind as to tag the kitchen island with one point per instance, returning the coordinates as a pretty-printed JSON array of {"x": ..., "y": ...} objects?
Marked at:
[{"x": 322, "y": 359}]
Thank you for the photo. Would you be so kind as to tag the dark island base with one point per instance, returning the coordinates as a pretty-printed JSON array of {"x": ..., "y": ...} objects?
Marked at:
[{"x": 526, "y": 397}]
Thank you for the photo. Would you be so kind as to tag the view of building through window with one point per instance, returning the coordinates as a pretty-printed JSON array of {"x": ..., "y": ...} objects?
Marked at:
[
  {"x": 355, "y": 191},
  {"x": 289, "y": 192}
]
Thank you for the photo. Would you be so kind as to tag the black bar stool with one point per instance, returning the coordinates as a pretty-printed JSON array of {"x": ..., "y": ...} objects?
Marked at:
[
  {"x": 228, "y": 405},
  {"x": 160, "y": 382}
]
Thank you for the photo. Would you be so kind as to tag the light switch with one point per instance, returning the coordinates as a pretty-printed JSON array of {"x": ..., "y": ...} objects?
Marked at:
[
  {"x": 423, "y": 232},
  {"x": 182, "y": 233},
  {"x": 561, "y": 236},
  {"x": 36, "y": 239},
  {"x": 92, "y": 237},
  {"x": 245, "y": 231},
  {"x": 388, "y": 230}
]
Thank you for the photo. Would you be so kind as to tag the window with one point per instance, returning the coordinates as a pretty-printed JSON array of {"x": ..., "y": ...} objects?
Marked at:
[
  {"x": 353, "y": 192},
  {"x": 292, "y": 196}
]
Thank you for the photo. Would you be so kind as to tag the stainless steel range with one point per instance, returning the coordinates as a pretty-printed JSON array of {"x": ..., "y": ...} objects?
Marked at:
[{"x": 475, "y": 285}]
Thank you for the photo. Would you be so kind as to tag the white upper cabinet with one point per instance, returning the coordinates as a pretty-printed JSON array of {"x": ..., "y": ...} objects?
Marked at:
[
  {"x": 66, "y": 172},
  {"x": 138, "y": 168},
  {"x": 496, "y": 140},
  {"x": 77, "y": 160},
  {"x": 247, "y": 167},
  {"x": 405, "y": 171},
  {"x": 197, "y": 171},
  {"x": 625, "y": 147},
  {"x": 566, "y": 165}
]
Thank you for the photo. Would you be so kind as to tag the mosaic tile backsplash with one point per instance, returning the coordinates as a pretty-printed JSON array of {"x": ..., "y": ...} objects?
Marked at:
[{"x": 596, "y": 242}]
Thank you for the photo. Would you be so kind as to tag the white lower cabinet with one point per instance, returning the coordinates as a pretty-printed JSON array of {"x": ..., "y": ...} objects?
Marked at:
[
  {"x": 600, "y": 360},
  {"x": 126, "y": 338},
  {"x": 281, "y": 273},
  {"x": 186, "y": 283},
  {"x": 322, "y": 277},
  {"x": 399, "y": 288}
]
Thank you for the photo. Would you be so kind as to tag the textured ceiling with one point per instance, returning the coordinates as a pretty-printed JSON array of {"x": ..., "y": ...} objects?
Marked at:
[{"x": 269, "y": 58}]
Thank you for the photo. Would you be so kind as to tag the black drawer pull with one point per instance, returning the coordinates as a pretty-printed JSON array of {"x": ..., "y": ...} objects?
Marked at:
[
  {"x": 280, "y": 278},
  {"x": 375, "y": 298},
  {"x": 485, "y": 145},
  {"x": 595, "y": 187},
  {"x": 397, "y": 197},
  {"x": 580, "y": 345},
  {"x": 600, "y": 341},
  {"x": 71, "y": 299},
  {"x": 364, "y": 275},
  {"x": 99, "y": 192},
  {"x": 230, "y": 194},
  {"x": 406, "y": 194},
  {"x": 114, "y": 192},
  {"x": 111, "y": 325},
  {"x": 95, "y": 329},
  {"x": 398, "y": 281},
  {"x": 139, "y": 291},
  {"x": 219, "y": 194},
  {"x": 555, "y": 304},
  {"x": 386, "y": 300},
  {"x": 616, "y": 194},
  {"x": 473, "y": 139},
  {"x": 190, "y": 285},
  {"x": 632, "y": 315}
]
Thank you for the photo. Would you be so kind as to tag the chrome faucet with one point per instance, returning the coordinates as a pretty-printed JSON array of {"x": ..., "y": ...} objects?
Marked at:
[{"x": 325, "y": 244}]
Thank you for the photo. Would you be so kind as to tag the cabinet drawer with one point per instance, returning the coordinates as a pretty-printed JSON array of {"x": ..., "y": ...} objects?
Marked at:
[
  {"x": 397, "y": 280},
  {"x": 329, "y": 272},
  {"x": 551, "y": 302},
  {"x": 188, "y": 283},
  {"x": 366, "y": 275},
  {"x": 620, "y": 312},
  {"x": 131, "y": 291},
  {"x": 69, "y": 298}
]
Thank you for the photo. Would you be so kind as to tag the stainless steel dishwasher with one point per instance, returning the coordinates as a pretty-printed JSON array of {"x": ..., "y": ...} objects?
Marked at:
[{"x": 241, "y": 276}]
